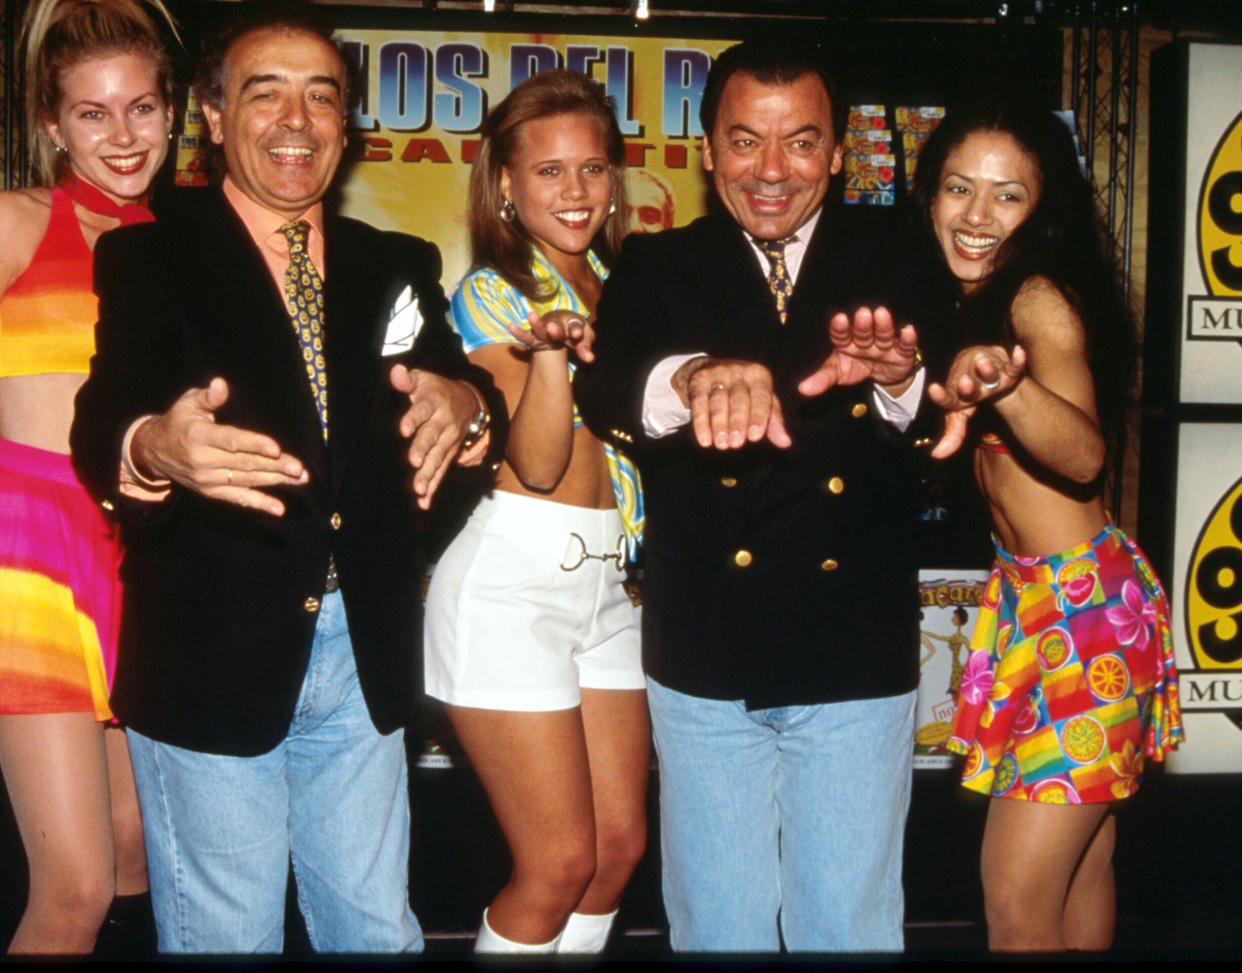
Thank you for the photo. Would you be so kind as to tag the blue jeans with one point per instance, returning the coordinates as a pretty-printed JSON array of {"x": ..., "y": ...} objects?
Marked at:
[
  {"x": 221, "y": 830},
  {"x": 783, "y": 825}
]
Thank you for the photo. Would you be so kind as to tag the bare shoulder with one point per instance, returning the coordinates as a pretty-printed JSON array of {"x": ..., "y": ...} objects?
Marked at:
[
  {"x": 24, "y": 215},
  {"x": 1043, "y": 315}
]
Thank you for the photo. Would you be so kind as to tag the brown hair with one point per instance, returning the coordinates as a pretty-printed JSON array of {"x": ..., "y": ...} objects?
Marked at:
[
  {"x": 58, "y": 34},
  {"x": 506, "y": 247}
]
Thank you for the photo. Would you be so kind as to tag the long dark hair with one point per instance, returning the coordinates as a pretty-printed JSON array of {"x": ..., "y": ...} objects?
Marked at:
[
  {"x": 1060, "y": 240},
  {"x": 506, "y": 246}
]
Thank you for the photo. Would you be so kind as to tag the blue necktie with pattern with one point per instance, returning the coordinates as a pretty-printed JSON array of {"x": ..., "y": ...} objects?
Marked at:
[
  {"x": 778, "y": 273},
  {"x": 304, "y": 291}
]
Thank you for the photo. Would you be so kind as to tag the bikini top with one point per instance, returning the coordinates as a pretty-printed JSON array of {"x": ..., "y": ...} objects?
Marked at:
[
  {"x": 993, "y": 443},
  {"x": 47, "y": 316}
]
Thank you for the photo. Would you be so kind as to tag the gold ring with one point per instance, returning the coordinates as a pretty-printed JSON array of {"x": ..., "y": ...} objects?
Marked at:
[
  {"x": 718, "y": 387},
  {"x": 230, "y": 477}
]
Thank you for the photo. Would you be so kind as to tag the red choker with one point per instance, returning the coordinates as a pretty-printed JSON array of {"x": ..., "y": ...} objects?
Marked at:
[{"x": 84, "y": 194}]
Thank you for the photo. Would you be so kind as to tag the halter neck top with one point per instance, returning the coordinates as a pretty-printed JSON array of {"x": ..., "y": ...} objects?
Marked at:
[{"x": 47, "y": 317}]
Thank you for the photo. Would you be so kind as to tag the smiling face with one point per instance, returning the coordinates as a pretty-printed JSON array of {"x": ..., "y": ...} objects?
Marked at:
[
  {"x": 988, "y": 187},
  {"x": 560, "y": 183},
  {"x": 772, "y": 153},
  {"x": 113, "y": 123},
  {"x": 282, "y": 124}
]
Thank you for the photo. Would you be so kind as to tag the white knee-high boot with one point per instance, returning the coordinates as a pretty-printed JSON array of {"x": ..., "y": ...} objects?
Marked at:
[
  {"x": 490, "y": 941},
  {"x": 586, "y": 934}
]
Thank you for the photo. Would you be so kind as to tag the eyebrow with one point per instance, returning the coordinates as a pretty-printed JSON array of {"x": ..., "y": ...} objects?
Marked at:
[
  {"x": 1003, "y": 182},
  {"x": 257, "y": 79},
  {"x": 809, "y": 128},
  {"x": 87, "y": 102}
]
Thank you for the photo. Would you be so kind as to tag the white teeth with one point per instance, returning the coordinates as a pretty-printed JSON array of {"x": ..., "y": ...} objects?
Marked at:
[
  {"x": 125, "y": 161},
  {"x": 974, "y": 244},
  {"x": 574, "y": 216},
  {"x": 291, "y": 150}
]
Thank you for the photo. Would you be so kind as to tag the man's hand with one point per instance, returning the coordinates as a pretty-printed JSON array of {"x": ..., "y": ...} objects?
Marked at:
[
  {"x": 731, "y": 403},
  {"x": 556, "y": 330},
  {"x": 870, "y": 346},
  {"x": 187, "y": 446},
  {"x": 977, "y": 374},
  {"x": 436, "y": 423}
]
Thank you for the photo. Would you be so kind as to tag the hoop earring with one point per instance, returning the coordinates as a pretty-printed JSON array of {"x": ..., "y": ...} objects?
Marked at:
[{"x": 508, "y": 212}]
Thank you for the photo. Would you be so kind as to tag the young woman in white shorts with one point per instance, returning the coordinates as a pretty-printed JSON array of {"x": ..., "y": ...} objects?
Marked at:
[{"x": 531, "y": 640}]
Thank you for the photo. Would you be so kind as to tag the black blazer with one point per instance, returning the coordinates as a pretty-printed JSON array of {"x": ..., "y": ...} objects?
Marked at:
[
  {"x": 778, "y": 577},
  {"x": 220, "y": 603}
]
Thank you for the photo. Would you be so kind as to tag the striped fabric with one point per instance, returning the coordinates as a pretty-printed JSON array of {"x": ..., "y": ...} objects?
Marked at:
[
  {"x": 47, "y": 316},
  {"x": 481, "y": 310},
  {"x": 59, "y": 593}
]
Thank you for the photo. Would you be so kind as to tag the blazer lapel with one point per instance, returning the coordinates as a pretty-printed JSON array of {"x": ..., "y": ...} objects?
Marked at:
[
  {"x": 356, "y": 306},
  {"x": 254, "y": 329},
  {"x": 744, "y": 310}
]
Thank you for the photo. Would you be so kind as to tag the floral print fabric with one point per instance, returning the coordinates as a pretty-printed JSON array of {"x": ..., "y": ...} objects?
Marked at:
[{"x": 1070, "y": 683}]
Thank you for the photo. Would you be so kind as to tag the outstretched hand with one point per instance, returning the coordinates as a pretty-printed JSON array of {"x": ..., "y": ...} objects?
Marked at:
[
  {"x": 731, "y": 403},
  {"x": 436, "y": 423},
  {"x": 867, "y": 346},
  {"x": 556, "y": 330},
  {"x": 978, "y": 373},
  {"x": 187, "y": 446}
]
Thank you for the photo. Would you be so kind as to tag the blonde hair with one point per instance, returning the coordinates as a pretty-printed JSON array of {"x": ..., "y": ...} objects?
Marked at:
[
  {"x": 506, "y": 246},
  {"x": 57, "y": 34}
]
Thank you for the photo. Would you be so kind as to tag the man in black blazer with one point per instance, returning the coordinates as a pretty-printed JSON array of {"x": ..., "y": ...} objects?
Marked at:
[
  {"x": 780, "y": 604},
  {"x": 269, "y": 654}
]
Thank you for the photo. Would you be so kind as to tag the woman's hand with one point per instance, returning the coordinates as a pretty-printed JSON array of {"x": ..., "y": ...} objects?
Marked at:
[
  {"x": 555, "y": 331},
  {"x": 978, "y": 373}
]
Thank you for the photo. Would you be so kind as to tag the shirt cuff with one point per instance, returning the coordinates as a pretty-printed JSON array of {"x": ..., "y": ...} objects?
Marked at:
[
  {"x": 901, "y": 411},
  {"x": 132, "y": 483},
  {"x": 663, "y": 412}
]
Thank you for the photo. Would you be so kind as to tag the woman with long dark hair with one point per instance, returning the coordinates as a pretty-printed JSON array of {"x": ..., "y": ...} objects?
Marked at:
[
  {"x": 1069, "y": 686},
  {"x": 99, "y": 103},
  {"x": 531, "y": 640}
]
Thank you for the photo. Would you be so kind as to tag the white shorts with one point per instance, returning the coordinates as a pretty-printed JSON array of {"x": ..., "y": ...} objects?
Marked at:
[{"x": 522, "y": 611}]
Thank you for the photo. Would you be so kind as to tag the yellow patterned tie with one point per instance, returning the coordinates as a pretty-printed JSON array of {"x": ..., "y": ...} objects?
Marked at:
[
  {"x": 304, "y": 290},
  {"x": 778, "y": 273}
]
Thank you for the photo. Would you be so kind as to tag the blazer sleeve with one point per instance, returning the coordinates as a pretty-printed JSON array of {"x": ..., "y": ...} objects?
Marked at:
[
  {"x": 632, "y": 335},
  {"x": 438, "y": 347},
  {"x": 135, "y": 370}
]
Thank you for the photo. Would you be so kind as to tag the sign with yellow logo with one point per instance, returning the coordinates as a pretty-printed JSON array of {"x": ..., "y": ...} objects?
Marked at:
[
  {"x": 1207, "y": 595},
  {"x": 1214, "y": 587},
  {"x": 1211, "y": 351}
]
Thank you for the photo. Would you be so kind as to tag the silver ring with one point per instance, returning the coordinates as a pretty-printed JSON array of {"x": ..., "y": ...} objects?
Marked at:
[
  {"x": 230, "y": 477},
  {"x": 989, "y": 385}
]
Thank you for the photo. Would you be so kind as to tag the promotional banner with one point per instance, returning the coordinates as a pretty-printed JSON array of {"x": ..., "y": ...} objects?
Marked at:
[
  {"x": 1211, "y": 352},
  {"x": 1208, "y": 598},
  {"x": 426, "y": 94},
  {"x": 948, "y": 609}
]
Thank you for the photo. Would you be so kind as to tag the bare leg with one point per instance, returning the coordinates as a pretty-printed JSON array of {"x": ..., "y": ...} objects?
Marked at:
[
  {"x": 618, "y": 740},
  {"x": 534, "y": 768},
  {"x": 131, "y": 855},
  {"x": 1032, "y": 854},
  {"x": 56, "y": 771},
  {"x": 1091, "y": 905}
]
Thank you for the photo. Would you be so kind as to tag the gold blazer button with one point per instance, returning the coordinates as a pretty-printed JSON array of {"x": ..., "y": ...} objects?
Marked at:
[
  {"x": 828, "y": 564},
  {"x": 742, "y": 558},
  {"x": 311, "y": 604},
  {"x": 859, "y": 410},
  {"x": 335, "y": 521},
  {"x": 834, "y": 484},
  {"x": 728, "y": 481}
]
